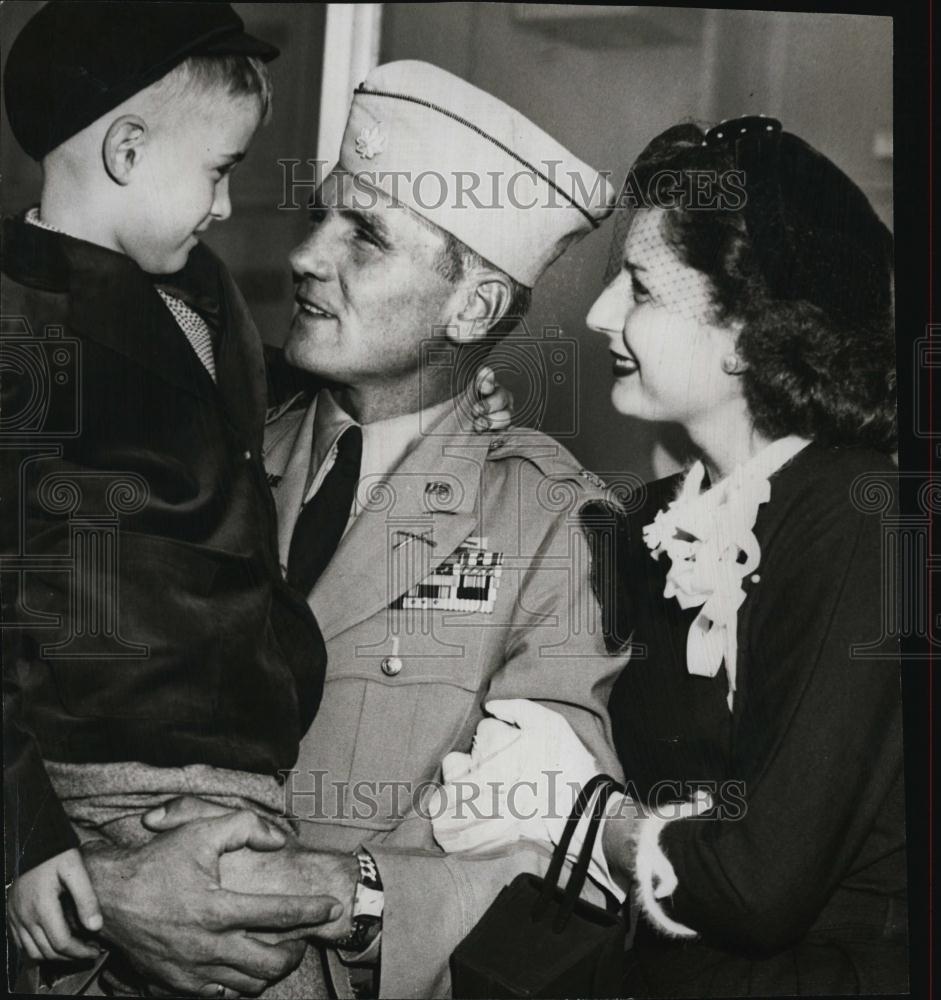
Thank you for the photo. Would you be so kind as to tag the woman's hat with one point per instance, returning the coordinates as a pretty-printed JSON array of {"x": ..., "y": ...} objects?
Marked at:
[{"x": 814, "y": 233}]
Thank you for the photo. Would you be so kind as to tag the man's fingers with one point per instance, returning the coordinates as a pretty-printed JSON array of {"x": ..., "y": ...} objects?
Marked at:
[
  {"x": 266, "y": 960},
  {"x": 79, "y": 885},
  {"x": 242, "y": 954},
  {"x": 206, "y": 982},
  {"x": 236, "y": 830},
  {"x": 292, "y": 936},
  {"x": 235, "y": 983},
  {"x": 181, "y": 810},
  {"x": 247, "y": 910},
  {"x": 239, "y": 963}
]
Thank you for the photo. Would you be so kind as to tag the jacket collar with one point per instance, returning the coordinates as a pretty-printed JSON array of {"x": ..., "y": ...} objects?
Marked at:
[
  {"x": 113, "y": 302},
  {"x": 434, "y": 495}
]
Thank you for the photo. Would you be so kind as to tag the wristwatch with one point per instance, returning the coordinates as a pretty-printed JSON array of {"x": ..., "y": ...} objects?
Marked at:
[{"x": 368, "y": 901}]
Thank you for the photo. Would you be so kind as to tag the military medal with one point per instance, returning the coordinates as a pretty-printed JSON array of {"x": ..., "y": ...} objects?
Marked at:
[{"x": 466, "y": 581}]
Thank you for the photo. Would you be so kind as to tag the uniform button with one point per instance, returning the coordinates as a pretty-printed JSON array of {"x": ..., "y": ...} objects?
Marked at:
[
  {"x": 248, "y": 456},
  {"x": 391, "y": 665}
]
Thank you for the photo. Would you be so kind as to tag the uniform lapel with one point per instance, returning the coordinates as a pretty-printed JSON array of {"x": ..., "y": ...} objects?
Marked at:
[
  {"x": 288, "y": 444},
  {"x": 395, "y": 544},
  {"x": 240, "y": 363}
]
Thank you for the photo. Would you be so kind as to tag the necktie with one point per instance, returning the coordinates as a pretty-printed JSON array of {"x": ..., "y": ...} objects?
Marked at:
[{"x": 322, "y": 519}]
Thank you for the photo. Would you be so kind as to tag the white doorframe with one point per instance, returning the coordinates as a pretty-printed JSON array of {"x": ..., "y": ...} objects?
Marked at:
[{"x": 351, "y": 50}]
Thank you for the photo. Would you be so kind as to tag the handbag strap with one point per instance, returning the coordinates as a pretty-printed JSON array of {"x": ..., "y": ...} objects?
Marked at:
[
  {"x": 577, "y": 879},
  {"x": 558, "y": 857}
]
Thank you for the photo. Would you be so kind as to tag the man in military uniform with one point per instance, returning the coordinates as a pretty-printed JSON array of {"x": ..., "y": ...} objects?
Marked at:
[
  {"x": 445, "y": 568},
  {"x": 459, "y": 570}
]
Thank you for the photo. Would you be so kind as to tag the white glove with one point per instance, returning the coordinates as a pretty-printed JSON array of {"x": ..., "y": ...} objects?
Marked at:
[{"x": 519, "y": 782}]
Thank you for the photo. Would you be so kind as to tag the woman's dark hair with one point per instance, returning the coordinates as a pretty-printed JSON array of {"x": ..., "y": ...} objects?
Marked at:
[{"x": 797, "y": 256}]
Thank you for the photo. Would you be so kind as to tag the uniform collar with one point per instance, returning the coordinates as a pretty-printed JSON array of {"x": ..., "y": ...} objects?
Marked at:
[
  {"x": 330, "y": 421},
  {"x": 385, "y": 442}
]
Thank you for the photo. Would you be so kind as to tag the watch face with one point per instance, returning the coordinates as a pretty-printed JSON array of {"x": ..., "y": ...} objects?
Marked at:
[{"x": 368, "y": 902}]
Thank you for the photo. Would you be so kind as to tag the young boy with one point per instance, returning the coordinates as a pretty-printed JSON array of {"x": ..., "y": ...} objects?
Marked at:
[
  {"x": 150, "y": 644},
  {"x": 151, "y": 647}
]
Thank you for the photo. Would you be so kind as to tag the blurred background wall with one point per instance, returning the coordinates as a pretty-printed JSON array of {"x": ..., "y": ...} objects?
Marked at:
[
  {"x": 604, "y": 85},
  {"x": 603, "y": 80}
]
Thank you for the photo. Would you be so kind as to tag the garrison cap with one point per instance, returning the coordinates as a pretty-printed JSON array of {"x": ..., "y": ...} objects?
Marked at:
[
  {"x": 77, "y": 59},
  {"x": 472, "y": 165}
]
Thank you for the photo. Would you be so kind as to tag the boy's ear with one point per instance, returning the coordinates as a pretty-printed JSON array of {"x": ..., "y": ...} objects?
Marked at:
[
  {"x": 486, "y": 304},
  {"x": 122, "y": 147}
]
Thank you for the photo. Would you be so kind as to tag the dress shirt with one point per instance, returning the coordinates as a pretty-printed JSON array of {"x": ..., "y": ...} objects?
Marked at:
[{"x": 385, "y": 442}]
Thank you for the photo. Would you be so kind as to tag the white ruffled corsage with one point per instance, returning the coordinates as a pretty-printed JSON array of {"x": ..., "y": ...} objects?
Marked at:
[{"x": 709, "y": 540}]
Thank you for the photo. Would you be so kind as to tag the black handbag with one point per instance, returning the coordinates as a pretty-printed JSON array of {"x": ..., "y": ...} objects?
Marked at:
[{"x": 539, "y": 940}]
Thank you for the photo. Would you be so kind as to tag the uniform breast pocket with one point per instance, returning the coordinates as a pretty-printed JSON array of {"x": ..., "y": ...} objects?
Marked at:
[
  {"x": 150, "y": 641},
  {"x": 400, "y": 689}
]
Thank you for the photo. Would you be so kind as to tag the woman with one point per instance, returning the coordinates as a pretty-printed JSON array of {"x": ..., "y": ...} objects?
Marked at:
[{"x": 762, "y": 325}]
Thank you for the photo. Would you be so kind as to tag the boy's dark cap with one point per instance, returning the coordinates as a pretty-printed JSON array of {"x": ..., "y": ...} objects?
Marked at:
[{"x": 77, "y": 59}]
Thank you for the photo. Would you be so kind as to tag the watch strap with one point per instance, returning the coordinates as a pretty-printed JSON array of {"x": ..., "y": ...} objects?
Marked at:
[{"x": 368, "y": 901}]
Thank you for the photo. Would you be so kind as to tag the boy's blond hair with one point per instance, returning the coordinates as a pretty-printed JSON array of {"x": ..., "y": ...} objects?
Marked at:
[{"x": 235, "y": 75}]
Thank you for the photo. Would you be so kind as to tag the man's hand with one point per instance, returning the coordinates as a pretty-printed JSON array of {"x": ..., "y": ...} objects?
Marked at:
[
  {"x": 293, "y": 870},
  {"x": 296, "y": 870},
  {"x": 165, "y": 907}
]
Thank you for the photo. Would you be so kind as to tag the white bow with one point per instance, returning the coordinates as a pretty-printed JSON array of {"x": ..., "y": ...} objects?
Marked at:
[{"x": 709, "y": 540}]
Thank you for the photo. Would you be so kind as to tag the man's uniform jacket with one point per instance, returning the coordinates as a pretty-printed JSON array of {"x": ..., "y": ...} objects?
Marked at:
[
  {"x": 144, "y": 614},
  {"x": 416, "y": 642}
]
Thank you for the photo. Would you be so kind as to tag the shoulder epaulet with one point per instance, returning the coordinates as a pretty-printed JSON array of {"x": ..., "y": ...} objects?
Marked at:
[{"x": 548, "y": 455}]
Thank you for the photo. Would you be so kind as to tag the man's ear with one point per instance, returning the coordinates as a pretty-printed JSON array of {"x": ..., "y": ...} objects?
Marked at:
[
  {"x": 123, "y": 146},
  {"x": 487, "y": 303}
]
